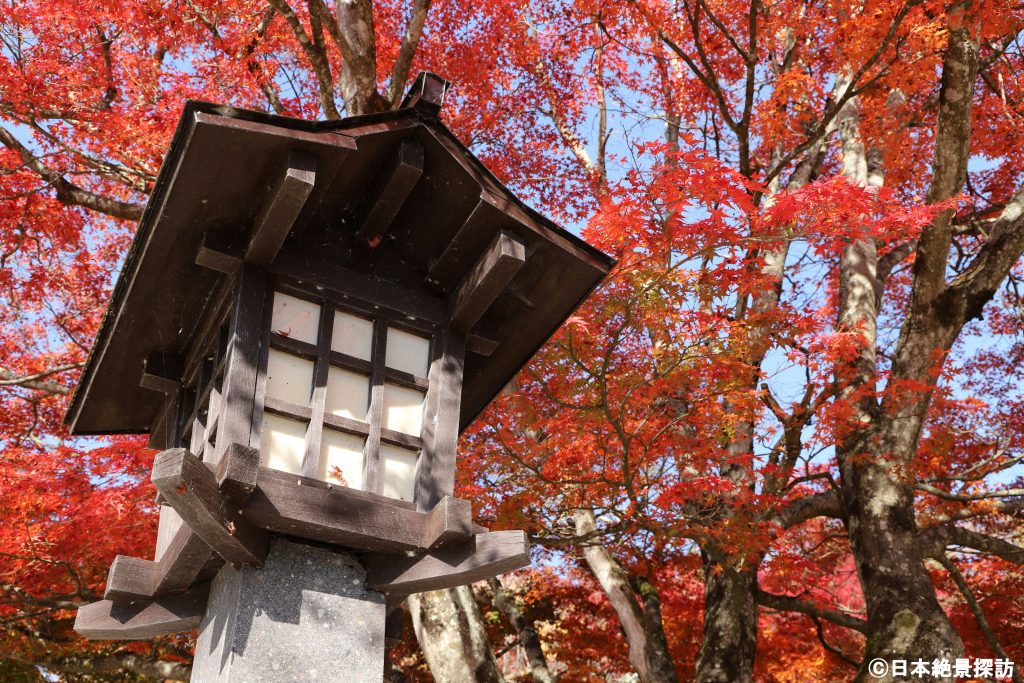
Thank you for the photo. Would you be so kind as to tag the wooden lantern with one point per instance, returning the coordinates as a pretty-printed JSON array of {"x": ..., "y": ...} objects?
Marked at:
[{"x": 308, "y": 317}]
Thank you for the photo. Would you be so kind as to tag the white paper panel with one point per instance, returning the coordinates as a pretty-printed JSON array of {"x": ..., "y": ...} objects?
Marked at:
[
  {"x": 348, "y": 394},
  {"x": 407, "y": 352},
  {"x": 398, "y": 469},
  {"x": 403, "y": 409},
  {"x": 295, "y": 318},
  {"x": 283, "y": 443},
  {"x": 289, "y": 377},
  {"x": 344, "y": 452},
  {"x": 352, "y": 335}
]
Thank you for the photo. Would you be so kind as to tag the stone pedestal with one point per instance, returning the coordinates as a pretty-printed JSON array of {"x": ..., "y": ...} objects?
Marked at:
[{"x": 306, "y": 615}]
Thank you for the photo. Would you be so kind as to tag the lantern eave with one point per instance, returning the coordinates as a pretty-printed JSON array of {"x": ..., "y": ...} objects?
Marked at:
[{"x": 218, "y": 170}]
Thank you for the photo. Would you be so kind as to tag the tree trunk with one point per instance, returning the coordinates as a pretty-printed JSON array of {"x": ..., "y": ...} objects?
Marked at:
[
  {"x": 645, "y": 635},
  {"x": 905, "y": 620},
  {"x": 525, "y": 631},
  {"x": 729, "y": 642},
  {"x": 451, "y": 634}
]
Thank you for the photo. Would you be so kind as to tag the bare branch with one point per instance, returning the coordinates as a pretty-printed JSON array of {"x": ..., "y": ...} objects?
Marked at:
[
  {"x": 967, "y": 497},
  {"x": 936, "y": 540},
  {"x": 37, "y": 381},
  {"x": 1001, "y": 250},
  {"x": 315, "y": 52},
  {"x": 800, "y": 510},
  {"x": 979, "y": 614},
  {"x": 411, "y": 39},
  {"x": 256, "y": 69},
  {"x": 832, "y": 648},
  {"x": 785, "y": 603},
  {"x": 67, "y": 192}
]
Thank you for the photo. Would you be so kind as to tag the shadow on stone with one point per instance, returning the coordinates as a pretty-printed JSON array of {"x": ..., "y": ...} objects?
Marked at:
[{"x": 306, "y": 615}]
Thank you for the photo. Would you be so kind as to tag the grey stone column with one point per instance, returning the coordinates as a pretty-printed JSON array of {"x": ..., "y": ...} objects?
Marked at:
[{"x": 306, "y": 615}]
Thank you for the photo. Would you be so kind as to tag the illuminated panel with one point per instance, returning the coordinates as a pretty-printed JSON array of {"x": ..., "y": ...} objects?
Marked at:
[
  {"x": 348, "y": 394},
  {"x": 342, "y": 454},
  {"x": 403, "y": 409},
  {"x": 352, "y": 335},
  {"x": 398, "y": 472},
  {"x": 407, "y": 352},
  {"x": 295, "y": 318},
  {"x": 283, "y": 443},
  {"x": 289, "y": 378}
]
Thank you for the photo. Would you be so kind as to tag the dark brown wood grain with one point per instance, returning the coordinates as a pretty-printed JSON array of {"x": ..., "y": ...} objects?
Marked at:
[
  {"x": 347, "y": 286},
  {"x": 395, "y": 185},
  {"x": 282, "y": 207},
  {"x": 182, "y": 562},
  {"x": 236, "y": 472},
  {"x": 144, "y": 619},
  {"x": 314, "y": 433},
  {"x": 492, "y": 273},
  {"x": 162, "y": 371},
  {"x": 480, "y": 557},
  {"x": 435, "y": 477},
  {"x": 375, "y": 416},
  {"x": 462, "y": 242},
  {"x": 481, "y": 346},
  {"x": 192, "y": 490},
  {"x": 131, "y": 578},
  {"x": 298, "y": 506},
  {"x": 242, "y": 415},
  {"x": 450, "y": 522},
  {"x": 220, "y": 254}
]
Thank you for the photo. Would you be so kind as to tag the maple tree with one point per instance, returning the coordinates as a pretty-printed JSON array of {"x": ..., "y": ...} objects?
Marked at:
[{"x": 781, "y": 422}]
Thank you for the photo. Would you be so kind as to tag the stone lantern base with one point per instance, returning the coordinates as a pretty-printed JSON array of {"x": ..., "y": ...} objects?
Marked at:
[{"x": 306, "y": 615}]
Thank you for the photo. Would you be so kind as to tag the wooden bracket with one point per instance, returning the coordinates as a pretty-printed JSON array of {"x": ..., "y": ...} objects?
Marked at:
[
  {"x": 219, "y": 254},
  {"x": 192, "y": 490},
  {"x": 162, "y": 371},
  {"x": 237, "y": 471},
  {"x": 144, "y": 619},
  {"x": 459, "y": 247},
  {"x": 491, "y": 274},
  {"x": 186, "y": 559},
  {"x": 451, "y": 521},
  {"x": 481, "y": 346},
  {"x": 130, "y": 578},
  {"x": 284, "y": 203},
  {"x": 397, "y": 183},
  {"x": 481, "y": 557}
]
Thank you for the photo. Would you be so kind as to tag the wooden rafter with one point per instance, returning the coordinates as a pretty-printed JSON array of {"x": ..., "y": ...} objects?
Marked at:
[
  {"x": 398, "y": 182},
  {"x": 162, "y": 371},
  {"x": 488, "y": 278},
  {"x": 220, "y": 254},
  {"x": 283, "y": 205}
]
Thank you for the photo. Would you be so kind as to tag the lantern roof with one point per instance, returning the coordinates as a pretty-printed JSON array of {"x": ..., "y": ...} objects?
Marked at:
[{"x": 424, "y": 232}]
